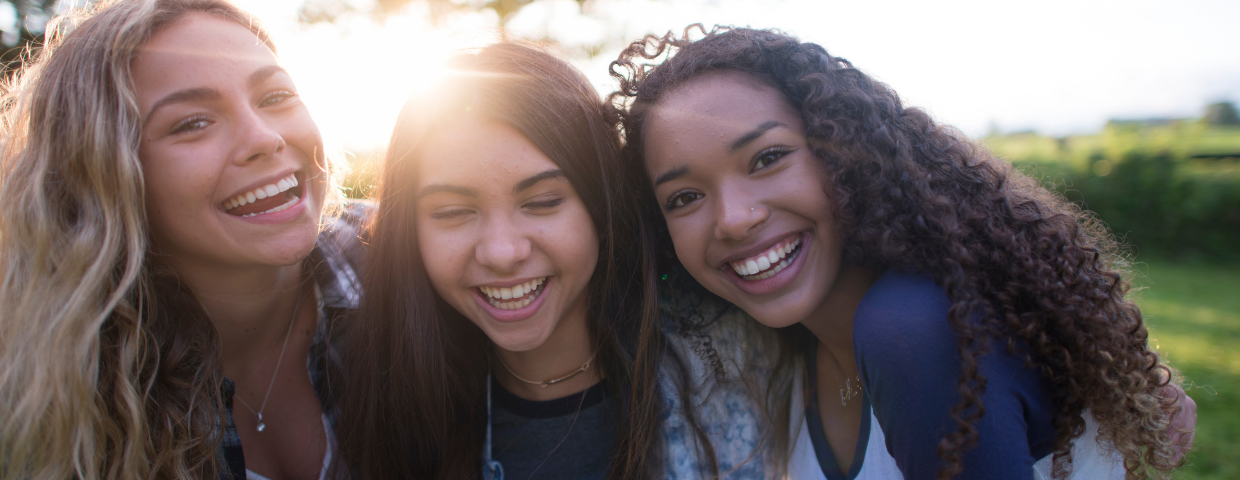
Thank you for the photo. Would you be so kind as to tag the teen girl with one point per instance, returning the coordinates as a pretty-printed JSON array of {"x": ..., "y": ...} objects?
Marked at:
[
  {"x": 164, "y": 298},
  {"x": 510, "y": 324},
  {"x": 953, "y": 317}
]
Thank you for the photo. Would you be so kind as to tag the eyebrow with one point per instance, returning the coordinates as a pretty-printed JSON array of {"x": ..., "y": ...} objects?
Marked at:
[
  {"x": 204, "y": 93},
  {"x": 187, "y": 95},
  {"x": 531, "y": 181},
  {"x": 671, "y": 175},
  {"x": 263, "y": 74},
  {"x": 441, "y": 188},
  {"x": 753, "y": 135}
]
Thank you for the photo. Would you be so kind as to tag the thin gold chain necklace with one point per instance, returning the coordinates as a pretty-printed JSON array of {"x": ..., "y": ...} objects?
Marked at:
[
  {"x": 546, "y": 383},
  {"x": 847, "y": 391}
]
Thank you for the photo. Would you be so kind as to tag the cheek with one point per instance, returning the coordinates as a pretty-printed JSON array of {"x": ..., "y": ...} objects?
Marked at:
[
  {"x": 178, "y": 187},
  {"x": 689, "y": 239},
  {"x": 442, "y": 257},
  {"x": 574, "y": 243}
]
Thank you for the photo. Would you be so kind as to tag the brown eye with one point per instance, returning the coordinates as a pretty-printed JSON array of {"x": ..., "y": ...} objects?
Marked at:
[
  {"x": 767, "y": 157},
  {"x": 680, "y": 199}
]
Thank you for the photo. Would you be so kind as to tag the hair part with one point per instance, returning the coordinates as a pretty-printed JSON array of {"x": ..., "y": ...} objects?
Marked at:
[
  {"x": 112, "y": 369},
  {"x": 913, "y": 195}
]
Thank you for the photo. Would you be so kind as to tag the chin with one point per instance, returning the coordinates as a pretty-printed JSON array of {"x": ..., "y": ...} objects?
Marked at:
[{"x": 517, "y": 341}]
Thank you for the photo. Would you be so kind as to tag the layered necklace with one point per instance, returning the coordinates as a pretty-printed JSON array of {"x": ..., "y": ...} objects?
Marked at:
[{"x": 288, "y": 332}]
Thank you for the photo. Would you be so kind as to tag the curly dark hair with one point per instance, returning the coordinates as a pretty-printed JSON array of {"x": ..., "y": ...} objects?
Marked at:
[{"x": 916, "y": 196}]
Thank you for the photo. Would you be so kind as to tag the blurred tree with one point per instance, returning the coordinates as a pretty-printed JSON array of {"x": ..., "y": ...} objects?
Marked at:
[
  {"x": 1222, "y": 113},
  {"x": 21, "y": 26},
  {"x": 329, "y": 10}
]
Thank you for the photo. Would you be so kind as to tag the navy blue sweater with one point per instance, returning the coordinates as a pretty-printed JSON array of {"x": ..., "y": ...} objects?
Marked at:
[{"x": 909, "y": 364}]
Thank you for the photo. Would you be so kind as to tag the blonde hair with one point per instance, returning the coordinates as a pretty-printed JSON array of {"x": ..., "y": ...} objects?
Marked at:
[{"x": 108, "y": 367}]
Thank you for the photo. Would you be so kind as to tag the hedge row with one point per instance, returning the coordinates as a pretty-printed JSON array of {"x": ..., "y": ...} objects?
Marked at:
[{"x": 1155, "y": 202}]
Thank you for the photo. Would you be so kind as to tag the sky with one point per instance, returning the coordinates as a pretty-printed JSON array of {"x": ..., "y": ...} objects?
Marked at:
[{"x": 1055, "y": 66}]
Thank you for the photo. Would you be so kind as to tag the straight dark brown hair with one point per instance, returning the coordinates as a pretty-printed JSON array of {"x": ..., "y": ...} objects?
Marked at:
[{"x": 412, "y": 402}]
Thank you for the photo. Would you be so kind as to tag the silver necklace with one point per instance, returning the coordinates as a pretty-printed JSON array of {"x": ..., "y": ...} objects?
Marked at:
[{"x": 262, "y": 425}]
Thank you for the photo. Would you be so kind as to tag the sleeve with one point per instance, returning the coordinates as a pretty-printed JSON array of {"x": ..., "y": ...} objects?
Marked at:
[{"x": 908, "y": 358}]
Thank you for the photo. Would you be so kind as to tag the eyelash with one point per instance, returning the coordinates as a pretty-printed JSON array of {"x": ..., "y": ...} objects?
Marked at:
[
  {"x": 281, "y": 94},
  {"x": 777, "y": 152},
  {"x": 671, "y": 201},
  {"x": 185, "y": 125},
  {"x": 545, "y": 204},
  {"x": 449, "y": 214}
]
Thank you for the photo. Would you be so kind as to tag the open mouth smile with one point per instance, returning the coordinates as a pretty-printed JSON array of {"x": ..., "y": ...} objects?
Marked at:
[
  {"x": 271, "y": 198},
  {"x": 769, "y": 263},
  {"x": 514, "y": 297}
]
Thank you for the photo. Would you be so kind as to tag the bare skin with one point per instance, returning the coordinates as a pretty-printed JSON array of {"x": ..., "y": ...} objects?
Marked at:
[
  {"x": 836, "y": 362},
  {"x": 495, "y": 213},
  {"x": 220, "y": 119}
]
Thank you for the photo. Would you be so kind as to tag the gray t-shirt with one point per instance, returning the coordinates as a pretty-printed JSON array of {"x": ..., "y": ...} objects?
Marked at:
[{"x": 568, "y": 438}]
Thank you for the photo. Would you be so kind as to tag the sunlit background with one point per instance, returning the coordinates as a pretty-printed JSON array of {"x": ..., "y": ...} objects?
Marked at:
[
  {"x": 1128, "y": 108},
  {"x": 1055, "y": 66}
]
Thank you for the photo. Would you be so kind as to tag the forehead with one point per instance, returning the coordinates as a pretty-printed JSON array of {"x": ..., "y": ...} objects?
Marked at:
[
  {"x": 717, "y": 96},
  {"x": 196, "y": 50},
  {"x": 479, "y": 153},
  {"x": 716, "y": 105}
]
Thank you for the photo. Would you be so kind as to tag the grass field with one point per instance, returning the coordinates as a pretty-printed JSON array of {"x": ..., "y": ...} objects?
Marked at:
[{"x": 1193, "y": 310}]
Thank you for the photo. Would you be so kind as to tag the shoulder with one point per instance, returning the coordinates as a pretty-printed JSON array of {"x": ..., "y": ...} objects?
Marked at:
[
  {"x": 711, "y": 344},
  {"x": 902, "y": 306},
  {"x": 346, "y": 224},
  {"x": 340, "y": 251}
]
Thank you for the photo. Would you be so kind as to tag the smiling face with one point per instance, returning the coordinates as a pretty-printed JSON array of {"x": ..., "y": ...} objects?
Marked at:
[
  {"x": 505, "y": 238},
  {"x": 228, "y": 150},
  {"x": 743, "y": 195}
]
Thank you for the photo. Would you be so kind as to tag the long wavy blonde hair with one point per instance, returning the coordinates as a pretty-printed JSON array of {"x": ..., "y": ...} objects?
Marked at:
[{"x": 109, "y": 368}]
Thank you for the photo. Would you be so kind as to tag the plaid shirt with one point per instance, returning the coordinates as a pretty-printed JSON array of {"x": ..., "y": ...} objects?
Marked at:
[{"x": 334, "y": 264}]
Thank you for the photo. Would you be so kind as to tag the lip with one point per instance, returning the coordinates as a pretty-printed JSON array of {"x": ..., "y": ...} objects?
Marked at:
[
  {"x": 773, "y": 283},
  {"x": 294, "y": 211},
  {"x": 509, "y": 316},
  {"x": 509, "y": 283},
  {"x": 758, "y": 248},
  {"x": 271, "y": 179}
]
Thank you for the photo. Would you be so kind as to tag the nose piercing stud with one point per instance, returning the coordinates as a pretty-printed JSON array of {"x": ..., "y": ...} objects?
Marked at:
[{"x": 751, "y": 209}]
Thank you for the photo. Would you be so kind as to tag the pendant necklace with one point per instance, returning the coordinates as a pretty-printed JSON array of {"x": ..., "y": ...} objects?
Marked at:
[
  {"x": 259, "y": 413},
  {"x": 848, "y": 391}
]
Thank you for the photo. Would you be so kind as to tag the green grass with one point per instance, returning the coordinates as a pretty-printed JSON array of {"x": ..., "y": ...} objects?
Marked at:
[{"x": 1193, "y": 312}]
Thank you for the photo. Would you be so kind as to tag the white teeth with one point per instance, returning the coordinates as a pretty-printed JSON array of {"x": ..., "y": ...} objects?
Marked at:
[
  {"x": 511, "y": 298},
  {"x": 262, "y": 192},
  {"x": 768, "y": 263}
]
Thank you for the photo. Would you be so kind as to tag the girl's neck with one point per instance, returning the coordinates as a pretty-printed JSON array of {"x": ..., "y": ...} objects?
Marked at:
[
  {"x": 250, "y": 307},
  {"x": 564, "y": 352},
  {"x": 832, "y": 321}
]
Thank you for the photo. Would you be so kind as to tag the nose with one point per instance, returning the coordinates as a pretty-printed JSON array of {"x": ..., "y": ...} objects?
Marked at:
[
  {"x": 503, "y": 245},
  {"x": 258, "y": 138},
  {"x": 737, "y": 213}
]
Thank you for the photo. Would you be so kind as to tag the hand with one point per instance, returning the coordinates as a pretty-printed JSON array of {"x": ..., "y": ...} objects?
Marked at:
[{"x": 1184, "y": 421}]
